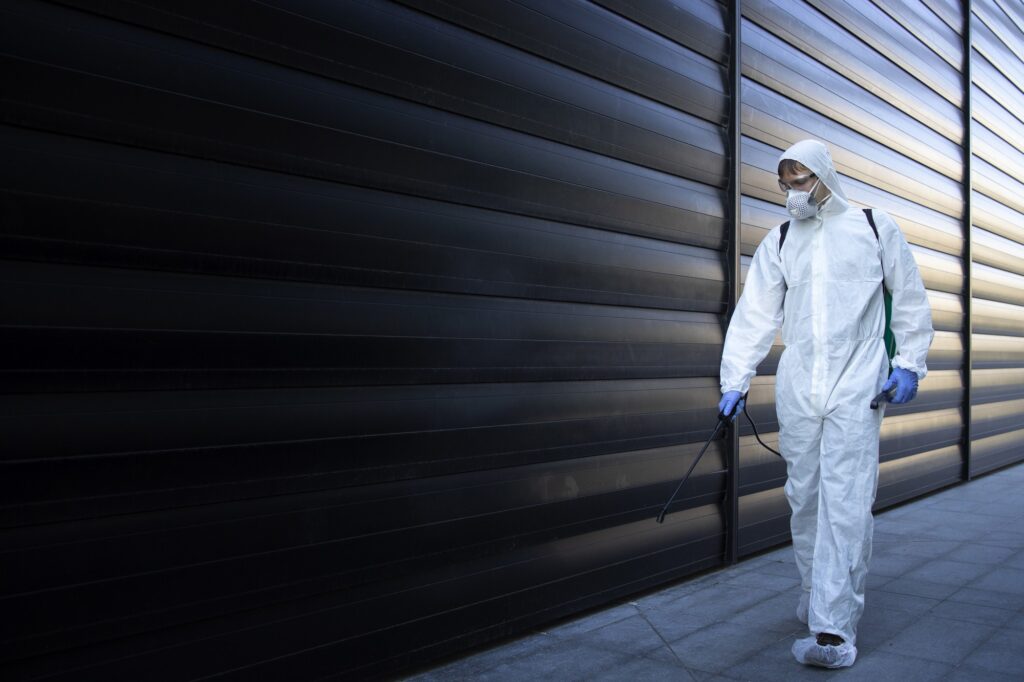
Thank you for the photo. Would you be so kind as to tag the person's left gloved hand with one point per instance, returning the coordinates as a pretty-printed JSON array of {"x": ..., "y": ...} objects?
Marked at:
[
  {"x": 905, "y": 382},
  {"x": 731, "y": 404}
]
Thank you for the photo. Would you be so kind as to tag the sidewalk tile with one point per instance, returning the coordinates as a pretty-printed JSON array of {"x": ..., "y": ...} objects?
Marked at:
[
  {"x": 894, "y": 565},
  {"x": 894, "y": 666},
  {"x": 722, "y": 645},
  {"x": 1001, "y": 653},
  {"x": 777, "y": 614},
  {"x": 1002, "y": 579},
  {"x": 878, "y": 625},
  {"x": 977, "y": 553},
  {"x": 937, "y": 639},
  {"x": 973, "y": 613},
  {"x": 567, "y": 660},
  {"x": 966, "y": 673},
  {"x": 909, "y": 603},
  {"x": 634, "y": 636},
  {"x": 646, "y": 670},
  {"x": 919, "y": 588},
  {"x": 999, "y": 600},
  {"x": 593, "y": 621},
  {"x": 946, "y": 572}
]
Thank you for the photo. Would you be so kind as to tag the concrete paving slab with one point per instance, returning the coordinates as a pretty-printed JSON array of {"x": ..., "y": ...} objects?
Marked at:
[
  {"x": 564, "y": 661},
  {"x": 786, "y": 569},
  {"x": 973, "y": 613},
  {"x": 1015, "y": 561},
  {"x": 978, "y": 553},
  {"x": 916, "y": 546},
  {"x": 877, "y": 581},
  {"x": 1001, "y": 653},
  {"x": 965, "y": 673},
  {"x": 879, "y": 625},
  {"x": 722, "y": 645},
  {"x": 474, "y": 666},
  {"x": 714, "y": 600},
  {"x": 670, "y": 595},
  {"x": 910, "y": 603},
  {"x": 766, "y": 581},
  {"x": 894, "y": 565},
  {"x": 938, "y": 639},
  {"x": 594, "y": 621},
  {"x": 966, "y": 522},
  {"x": 673, "y": 626},
  {"x": 890, "y": 666},
  {"x": 954, "y": 504},
  {"x": 1003, "y": 538},
  {"x": 999, "y": 600},
  {"x": 919, "y": 588},
  {"x": 646, "y": 670},
  {"x": 776, "y": 614},
  {"x": 1002, "y": 579},
  {"x": 1016, "y": 622},
  {"x": 946, "y": 572}
]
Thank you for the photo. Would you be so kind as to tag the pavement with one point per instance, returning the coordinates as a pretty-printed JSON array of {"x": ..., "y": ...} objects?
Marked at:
[{"x": 944, "y": 601}]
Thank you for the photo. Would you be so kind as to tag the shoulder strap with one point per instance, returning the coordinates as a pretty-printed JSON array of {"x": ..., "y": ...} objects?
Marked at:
[
  {"x": 783, "y": 229},
  {"x": 889, "y": 338},
  {"x": 871, "y": 222}
]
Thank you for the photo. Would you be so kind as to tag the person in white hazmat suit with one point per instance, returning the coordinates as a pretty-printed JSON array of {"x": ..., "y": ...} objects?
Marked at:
[{"x": 824, "y": 287}]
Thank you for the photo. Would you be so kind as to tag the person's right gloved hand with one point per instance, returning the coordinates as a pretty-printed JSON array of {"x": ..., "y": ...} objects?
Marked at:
[
  {"x": 731, "y": 404},
  {"x": 905, "y": 383}
]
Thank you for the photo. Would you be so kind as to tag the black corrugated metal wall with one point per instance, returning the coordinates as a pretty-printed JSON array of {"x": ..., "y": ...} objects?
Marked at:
[{"x": 344, "y": 336}]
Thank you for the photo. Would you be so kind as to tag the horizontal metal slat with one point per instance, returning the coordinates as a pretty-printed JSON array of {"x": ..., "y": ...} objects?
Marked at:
[
  {"x": 868, "y": 23},
  {"x": 245, "y": 114},
  {"x": 595, "y": 41},
  {"x": 994, "y": 452},
  {"x": 698, "y": 24},
  {"x": 993, "y": 284},
  {"x": 404, "y": 53},
  {"x": 808, "y": 83},
  {"x": 771, "y": 118},
  {"x": 817, "y": 35},
  {"x": 259, "y": 224}
]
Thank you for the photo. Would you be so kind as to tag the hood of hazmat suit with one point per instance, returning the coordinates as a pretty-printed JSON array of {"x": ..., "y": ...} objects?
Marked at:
[{"x": 824, "y": 288}]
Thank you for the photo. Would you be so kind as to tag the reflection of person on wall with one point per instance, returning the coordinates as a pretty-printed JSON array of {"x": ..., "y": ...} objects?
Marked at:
[{"x": 820, "y": 277}]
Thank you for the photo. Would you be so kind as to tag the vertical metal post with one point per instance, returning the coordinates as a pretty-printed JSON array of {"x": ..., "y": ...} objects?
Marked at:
[
  {"x": 732, "y": 513},
  {"x": 968, "y": 222}
]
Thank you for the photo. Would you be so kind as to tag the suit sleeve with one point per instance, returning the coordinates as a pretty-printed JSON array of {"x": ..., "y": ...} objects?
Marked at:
[
  {"x": 757, "y": 317},
  {"x": 911, "y": 312}
]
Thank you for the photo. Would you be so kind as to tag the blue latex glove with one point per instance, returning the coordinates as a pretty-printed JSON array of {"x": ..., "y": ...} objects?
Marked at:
[
  {"x": 731, "y": 404},
  {"x": 905, "y": 382}
]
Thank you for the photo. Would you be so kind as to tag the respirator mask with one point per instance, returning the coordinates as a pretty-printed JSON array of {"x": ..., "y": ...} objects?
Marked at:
[{"x": 802, "y": 204}]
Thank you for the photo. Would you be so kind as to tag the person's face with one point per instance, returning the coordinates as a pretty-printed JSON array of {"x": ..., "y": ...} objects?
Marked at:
[{"x": 802, "y": 180}]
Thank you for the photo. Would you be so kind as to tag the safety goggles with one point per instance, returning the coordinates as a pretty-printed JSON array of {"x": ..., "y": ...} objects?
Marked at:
[{"x": 796, "y": 181}]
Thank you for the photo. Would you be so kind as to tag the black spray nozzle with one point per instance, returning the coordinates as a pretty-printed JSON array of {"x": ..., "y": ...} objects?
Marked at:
[
  {"x": 882, "y": 397},
  {"x": 723, "y": 422}
]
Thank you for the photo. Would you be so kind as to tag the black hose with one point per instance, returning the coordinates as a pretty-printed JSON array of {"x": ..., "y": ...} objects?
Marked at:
[{"x": 756, "y": 434}]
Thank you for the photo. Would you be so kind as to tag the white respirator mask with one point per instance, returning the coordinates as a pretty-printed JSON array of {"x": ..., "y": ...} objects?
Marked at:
[{"x": 802, "y": 204}]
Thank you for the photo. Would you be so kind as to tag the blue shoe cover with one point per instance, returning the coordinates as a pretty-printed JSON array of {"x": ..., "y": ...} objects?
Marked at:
[{"x": 809, "y": 652}]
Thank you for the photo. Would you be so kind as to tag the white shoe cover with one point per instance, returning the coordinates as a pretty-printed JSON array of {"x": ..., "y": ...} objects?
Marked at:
[
  {"x": 809, "y": 652},
  {"x": 803, "y": 607}
]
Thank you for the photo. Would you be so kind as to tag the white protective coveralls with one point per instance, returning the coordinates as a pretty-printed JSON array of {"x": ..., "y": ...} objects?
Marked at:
[{"x": 824, "y": 290}]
